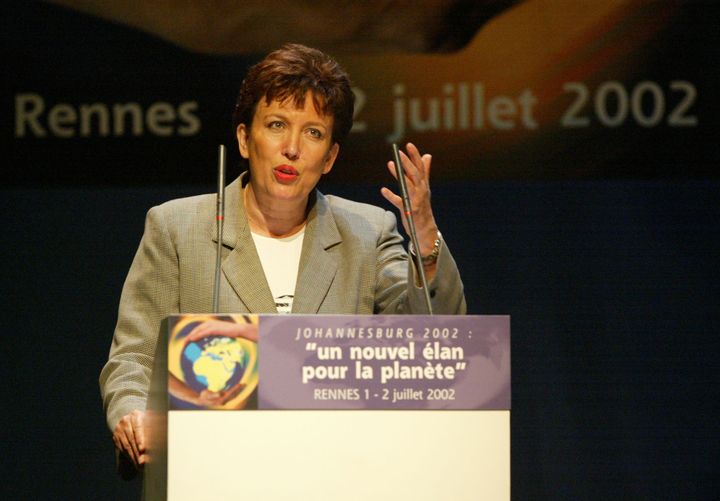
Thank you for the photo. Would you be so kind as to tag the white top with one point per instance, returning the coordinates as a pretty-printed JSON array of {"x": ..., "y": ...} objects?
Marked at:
[{"x": 280, "y": 259}]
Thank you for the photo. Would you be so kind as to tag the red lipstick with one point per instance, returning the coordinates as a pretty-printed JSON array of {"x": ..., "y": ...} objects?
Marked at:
[{"x": 285, "y": 173}]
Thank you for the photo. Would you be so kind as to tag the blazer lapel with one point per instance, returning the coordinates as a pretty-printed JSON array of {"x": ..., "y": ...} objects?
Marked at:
[
  {"x": 242, "y": 266},
  {"x": 318, "y": 264}
]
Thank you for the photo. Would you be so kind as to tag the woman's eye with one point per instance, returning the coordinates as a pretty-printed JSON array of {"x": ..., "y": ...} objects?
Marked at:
[
  {"x": 315, "y": 133},
  {"x": 275, "y": 124}
]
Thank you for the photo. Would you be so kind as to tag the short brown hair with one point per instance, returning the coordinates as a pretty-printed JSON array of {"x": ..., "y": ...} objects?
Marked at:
[{"x": 290, "y": 73}]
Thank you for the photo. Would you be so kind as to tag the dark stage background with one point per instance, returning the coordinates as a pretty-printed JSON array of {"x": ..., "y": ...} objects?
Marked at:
[{"x": 596, "y": 229}]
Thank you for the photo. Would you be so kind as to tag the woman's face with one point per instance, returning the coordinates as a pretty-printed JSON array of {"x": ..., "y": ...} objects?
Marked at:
[{"x": 288, "y": 150}]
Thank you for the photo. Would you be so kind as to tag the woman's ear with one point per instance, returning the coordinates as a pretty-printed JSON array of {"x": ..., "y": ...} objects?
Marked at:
[
  {"x": 330, "y": 159},
  {"x": 242, "y": 138}
]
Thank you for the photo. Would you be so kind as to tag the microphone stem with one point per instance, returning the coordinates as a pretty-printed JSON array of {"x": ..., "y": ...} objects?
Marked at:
[
  {"x": 407, "y": 206},
  {"x": 219, "y": 219}
]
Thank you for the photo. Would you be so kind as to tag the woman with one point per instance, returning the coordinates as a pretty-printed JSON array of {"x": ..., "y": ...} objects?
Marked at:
[{"x": 288, "y": 248}]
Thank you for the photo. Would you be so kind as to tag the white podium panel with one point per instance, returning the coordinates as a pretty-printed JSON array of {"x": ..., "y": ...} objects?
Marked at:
[
  {"x": 422, "y": 418},
  {"x": 339, "y": 455}
]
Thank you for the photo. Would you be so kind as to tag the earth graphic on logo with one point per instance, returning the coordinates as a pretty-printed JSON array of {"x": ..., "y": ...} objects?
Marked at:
[{"x": 214, "y": 363}]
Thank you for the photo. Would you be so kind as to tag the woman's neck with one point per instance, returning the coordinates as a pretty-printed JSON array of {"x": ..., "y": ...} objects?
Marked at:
[{"x": 276, "y": 219}]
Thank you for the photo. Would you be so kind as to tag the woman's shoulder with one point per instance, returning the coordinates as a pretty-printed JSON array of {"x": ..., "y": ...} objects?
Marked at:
[
  {"x": 340, "y": 205},
  {"x": 185, "y": 210},
  {"x": 204, "y": 201},
  {"x": 203, "y": 206},
  {"x": 358, "y": 217}
]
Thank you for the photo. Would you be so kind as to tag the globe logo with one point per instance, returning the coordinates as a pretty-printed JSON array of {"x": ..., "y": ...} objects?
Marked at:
[{"x": 214, "y": 363}]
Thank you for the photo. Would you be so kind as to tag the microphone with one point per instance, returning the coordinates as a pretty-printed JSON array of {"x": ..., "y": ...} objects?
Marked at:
[
  {"x": 407, "y": 206},
  {"x": 219, "y": 219}
]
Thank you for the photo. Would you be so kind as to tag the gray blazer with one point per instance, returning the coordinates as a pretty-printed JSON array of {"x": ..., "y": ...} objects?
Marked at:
[{"x": 352, "y": 261}]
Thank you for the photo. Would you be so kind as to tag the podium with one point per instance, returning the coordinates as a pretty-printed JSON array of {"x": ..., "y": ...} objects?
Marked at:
[{"x": 421, "y": 412}]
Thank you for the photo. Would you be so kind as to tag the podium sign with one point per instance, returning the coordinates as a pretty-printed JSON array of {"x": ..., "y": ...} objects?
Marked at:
[{"x": 333, "y": 407}]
